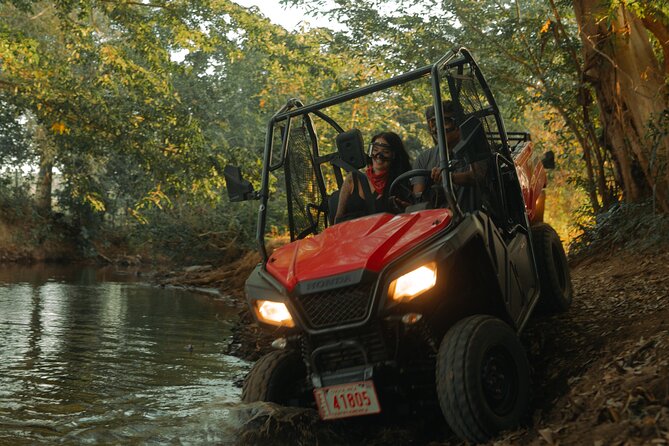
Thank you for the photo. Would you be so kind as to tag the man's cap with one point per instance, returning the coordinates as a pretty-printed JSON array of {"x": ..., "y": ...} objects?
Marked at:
[{"x": 447, "y": 107}]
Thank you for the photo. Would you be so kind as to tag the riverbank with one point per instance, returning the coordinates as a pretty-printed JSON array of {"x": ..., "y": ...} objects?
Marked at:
[
  {"x": 59, "y": 239},
  {"x": 23, "y": 244}
]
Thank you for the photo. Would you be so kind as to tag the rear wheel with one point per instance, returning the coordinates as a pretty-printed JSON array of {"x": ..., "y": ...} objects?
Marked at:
[
  {"x": 554, "y": 277},
  {"x": 482, "y": 378},
  {"x": 278, "y": 377}
]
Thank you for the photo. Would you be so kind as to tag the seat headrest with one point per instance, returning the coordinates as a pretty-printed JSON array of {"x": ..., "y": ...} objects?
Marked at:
[
  {"x": 351, "y": 148},
  {"x": 473, "y": 142}
]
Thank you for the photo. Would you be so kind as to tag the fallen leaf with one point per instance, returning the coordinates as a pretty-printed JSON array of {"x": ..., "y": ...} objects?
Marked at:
[{"x": 547, "y": 435}]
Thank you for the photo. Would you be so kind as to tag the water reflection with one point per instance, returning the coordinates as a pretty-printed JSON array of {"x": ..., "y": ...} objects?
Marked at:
[{"x": 91, "y": 356}]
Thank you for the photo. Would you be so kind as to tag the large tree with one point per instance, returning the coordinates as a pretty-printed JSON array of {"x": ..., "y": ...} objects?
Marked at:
[{"x": 628, "y": 70}]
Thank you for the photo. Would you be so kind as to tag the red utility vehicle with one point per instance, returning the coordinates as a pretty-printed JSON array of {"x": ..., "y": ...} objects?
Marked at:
[{"x": 414, "y": 309}]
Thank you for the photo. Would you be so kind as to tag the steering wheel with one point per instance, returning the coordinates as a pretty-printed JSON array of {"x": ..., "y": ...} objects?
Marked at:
[
  {"x": 429, "y": 195},
  {"x": 408, "y": 175}
]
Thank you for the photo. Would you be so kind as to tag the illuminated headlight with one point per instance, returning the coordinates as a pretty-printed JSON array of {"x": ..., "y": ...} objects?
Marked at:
[
  {"x": 414, "y": 283},
  {"x": 275, "y": 313}
]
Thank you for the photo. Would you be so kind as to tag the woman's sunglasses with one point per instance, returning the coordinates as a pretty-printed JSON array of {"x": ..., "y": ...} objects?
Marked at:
[{"x": 379, "y": 156}]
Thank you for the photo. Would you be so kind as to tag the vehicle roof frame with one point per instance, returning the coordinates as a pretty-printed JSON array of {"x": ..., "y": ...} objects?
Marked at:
[{"x": 294, "y": 108}]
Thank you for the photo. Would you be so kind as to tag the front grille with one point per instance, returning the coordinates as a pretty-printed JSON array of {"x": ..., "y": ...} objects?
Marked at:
[
  {"x": 371, "y": 340},
  {"x": 335, "y": 307}
]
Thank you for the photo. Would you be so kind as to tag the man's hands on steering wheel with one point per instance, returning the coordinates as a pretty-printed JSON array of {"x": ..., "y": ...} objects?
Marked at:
[{"x": 400, "y": 182}]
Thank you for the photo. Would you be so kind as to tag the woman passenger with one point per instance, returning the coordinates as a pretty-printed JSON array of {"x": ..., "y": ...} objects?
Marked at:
[{"x": 387, "y": 160}]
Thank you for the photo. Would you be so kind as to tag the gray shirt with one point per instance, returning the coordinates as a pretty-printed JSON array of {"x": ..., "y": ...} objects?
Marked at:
[{"x": 427, "y": 159}]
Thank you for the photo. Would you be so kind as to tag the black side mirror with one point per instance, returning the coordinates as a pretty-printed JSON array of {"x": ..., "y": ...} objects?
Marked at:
[
  {"x": 239, "y": 189},
  {"x": 351, "y": 148},
  {"x": 548, "y": 160}
]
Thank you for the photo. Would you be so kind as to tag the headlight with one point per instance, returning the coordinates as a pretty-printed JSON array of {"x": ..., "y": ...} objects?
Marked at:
[
  {"x": 414, "y": 283},
  {"x": 275, "y": 313}
]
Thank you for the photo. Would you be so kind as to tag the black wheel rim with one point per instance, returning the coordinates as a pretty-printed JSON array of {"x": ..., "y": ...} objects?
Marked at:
[{"x": 499, "y": 379}]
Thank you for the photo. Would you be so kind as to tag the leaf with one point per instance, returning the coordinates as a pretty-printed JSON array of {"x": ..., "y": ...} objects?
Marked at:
[
  {"x": 547, "y": 435},
  {"x": 546, "y": 27},
  {"x": 95, "y": 201},
  {"x": 59, "y": 128}
]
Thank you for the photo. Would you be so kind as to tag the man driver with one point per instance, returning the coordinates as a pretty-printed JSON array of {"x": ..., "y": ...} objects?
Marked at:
[{"x": 429, "y": 159}]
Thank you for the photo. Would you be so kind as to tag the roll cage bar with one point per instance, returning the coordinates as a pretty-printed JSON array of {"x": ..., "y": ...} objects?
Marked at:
[{"x": 457, "y": 58}]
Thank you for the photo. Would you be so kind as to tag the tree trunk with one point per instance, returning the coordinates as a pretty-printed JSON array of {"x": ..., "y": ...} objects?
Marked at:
[
  {"x": 598, "y": 187},
  {"x": 631, "y": 93},
  {"x": 45, "y": 174}
]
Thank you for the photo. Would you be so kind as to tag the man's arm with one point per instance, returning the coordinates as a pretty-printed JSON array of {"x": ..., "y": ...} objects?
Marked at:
[
  {"x": 422, "y": 162},
  {"x": 472, "y": 176}
]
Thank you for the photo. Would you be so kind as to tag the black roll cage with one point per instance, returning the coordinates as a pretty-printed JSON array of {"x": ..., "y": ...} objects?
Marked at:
[{"x": 455, "y": 58}]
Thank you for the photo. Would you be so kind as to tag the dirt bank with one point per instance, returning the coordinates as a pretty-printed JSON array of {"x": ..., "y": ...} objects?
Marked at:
[{"x": 601, "y": 371}]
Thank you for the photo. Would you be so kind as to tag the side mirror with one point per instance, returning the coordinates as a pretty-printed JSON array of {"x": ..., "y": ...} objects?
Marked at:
[
  {"x": 548, "y": 160},
  {"x": 239, "y": 189}
]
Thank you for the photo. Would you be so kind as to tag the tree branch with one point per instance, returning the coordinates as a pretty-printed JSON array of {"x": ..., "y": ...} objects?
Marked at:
[
  {"x": 661, "y": 32},
  {"x": 42, "y": 12},
  {"x": 136, "y": 3}
]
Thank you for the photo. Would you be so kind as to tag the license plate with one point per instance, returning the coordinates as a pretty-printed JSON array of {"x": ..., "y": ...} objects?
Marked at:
[{"x": 347, "y": 400}]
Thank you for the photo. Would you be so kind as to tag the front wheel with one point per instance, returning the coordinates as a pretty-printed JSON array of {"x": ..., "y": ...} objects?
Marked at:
[
  {"x": 278, "y": 377},
  {"x": 482, "y": 378}
]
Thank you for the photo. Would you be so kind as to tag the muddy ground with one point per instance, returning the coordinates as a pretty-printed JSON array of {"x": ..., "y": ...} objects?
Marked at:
[{"x": 600, "y": 371}]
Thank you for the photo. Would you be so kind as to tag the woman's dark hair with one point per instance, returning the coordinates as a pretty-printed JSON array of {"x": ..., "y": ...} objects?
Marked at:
[{"x": 400, "y": 162}]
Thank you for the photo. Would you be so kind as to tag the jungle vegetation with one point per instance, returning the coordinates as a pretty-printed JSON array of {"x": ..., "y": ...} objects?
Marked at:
[{"x": 125, "y": 112}]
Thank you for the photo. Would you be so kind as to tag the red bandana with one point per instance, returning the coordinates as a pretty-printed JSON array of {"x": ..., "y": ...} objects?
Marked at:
[{"x": 378, "y": 179}]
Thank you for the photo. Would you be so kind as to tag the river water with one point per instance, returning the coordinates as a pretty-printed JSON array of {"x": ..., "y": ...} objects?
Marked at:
[{"x": 95, "y": 357}]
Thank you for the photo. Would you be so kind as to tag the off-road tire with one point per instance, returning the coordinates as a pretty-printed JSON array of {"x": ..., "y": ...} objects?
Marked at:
[
  {"x": 482, "y": 378},
  {"x": 278, "y": 377},
  {"x": 554, "y": 277}
]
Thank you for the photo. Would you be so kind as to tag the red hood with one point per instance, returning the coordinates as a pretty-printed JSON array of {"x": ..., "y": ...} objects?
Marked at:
[{"x": 370, "y": 242}]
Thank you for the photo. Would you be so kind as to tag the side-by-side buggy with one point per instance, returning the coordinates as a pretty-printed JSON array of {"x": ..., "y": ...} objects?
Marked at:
[{"x": 418, "y": 308}]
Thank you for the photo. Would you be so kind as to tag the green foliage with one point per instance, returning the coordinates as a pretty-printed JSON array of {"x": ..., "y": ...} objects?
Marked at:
[
  {"x": 527, "y": 58},
  {"x": 187, "y": 233},
  {"x": 139, "y": 136},
  {"x": 139, "y": 105},
  {"x": 529, "y": 52},
  {"x": 15, "y": 204},
  {"x": 14, "y": 136},
  {"x": 641, "y": 8},
  {"x": 98, "y": 77}
]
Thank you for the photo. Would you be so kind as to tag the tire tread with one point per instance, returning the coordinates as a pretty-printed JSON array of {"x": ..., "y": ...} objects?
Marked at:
[
  {"x": 458, "y": 382},
  {"x": 258, "y": 383},
  {"x": 544, "y": 241}
]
